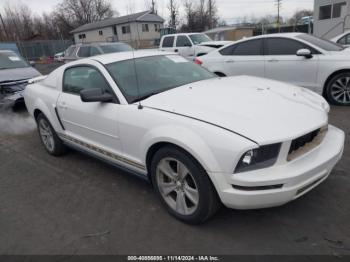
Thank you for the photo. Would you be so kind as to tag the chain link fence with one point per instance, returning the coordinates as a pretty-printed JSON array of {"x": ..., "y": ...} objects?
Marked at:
[{"x": 37, "y": 50}]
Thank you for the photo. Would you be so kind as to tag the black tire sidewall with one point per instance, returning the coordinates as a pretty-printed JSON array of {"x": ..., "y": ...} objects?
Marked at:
[
  {"x": 329, "y": 89},
  {"x": 205, "y": 188}
]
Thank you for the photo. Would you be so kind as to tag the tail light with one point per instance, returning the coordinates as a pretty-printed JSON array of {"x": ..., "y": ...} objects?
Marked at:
[{"x": 198, "y": 62}]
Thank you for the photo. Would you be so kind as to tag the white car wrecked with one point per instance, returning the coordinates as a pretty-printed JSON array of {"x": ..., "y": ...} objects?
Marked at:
[{"x": 201, "y": 140}]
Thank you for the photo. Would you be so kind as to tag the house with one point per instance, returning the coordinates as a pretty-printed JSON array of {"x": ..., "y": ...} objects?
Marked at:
[
  {"x": 140, "y": 30},
  {"x": 229, "y": 33},
  {"x": 331, "y": 17}
]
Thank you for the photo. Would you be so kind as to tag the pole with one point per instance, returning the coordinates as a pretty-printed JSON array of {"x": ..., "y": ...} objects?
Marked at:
[{"x": 279, "y": 5}]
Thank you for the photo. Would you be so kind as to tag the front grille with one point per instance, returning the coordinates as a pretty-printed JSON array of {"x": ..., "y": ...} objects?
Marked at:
[
  {"x": 303, "y": 140},
  {"x": 306, "y": 143}
]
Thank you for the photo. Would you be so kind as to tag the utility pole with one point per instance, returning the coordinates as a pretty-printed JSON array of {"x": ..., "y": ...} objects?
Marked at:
[
  {"x": 279, "y": 6},
  {"x": 153, "y": 7}
]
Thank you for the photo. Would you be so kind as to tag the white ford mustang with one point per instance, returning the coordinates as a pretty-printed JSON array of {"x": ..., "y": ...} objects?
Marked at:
[{"x": 201, "y": 140}]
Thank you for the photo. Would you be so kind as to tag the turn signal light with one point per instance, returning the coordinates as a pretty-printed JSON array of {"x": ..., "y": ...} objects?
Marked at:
[{"x": 198, "y": 62}]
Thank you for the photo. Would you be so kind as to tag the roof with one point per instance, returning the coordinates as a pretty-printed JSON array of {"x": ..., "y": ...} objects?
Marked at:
[
  {"x": 146, "y": 16},
  {"x": 226, "y": 28},
  {"x": 116, "y": 57}
]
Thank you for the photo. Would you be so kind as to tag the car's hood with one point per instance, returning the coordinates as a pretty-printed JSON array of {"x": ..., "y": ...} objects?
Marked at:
[
  {"x": 262, "y": 110},
  {"x": 15, "y": 74}
]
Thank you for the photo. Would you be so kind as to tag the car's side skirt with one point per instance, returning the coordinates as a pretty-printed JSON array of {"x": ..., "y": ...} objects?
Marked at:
[{"x": 118, "y": 160}]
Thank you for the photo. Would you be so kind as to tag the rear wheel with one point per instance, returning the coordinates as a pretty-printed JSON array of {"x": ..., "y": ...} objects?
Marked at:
[
  {"x": 183, "y": 186},
  {"x": 52, "y": 143},
  {"x": 338, "y": 89}
]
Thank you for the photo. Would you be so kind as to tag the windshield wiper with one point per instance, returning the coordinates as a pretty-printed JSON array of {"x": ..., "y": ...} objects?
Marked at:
[{"x": 144, "y": 97}]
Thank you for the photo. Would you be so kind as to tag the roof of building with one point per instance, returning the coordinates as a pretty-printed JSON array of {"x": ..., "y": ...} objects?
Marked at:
[{"x": 146, "y": 16}]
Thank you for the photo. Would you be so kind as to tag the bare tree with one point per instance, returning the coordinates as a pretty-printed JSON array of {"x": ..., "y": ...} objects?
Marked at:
[{"x": 174, "y": 13}]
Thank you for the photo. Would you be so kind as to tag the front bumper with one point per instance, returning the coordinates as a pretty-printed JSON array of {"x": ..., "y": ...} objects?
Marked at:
[
  {"x": 12, "y": 100},
  {"x": 284, "y": 182}
]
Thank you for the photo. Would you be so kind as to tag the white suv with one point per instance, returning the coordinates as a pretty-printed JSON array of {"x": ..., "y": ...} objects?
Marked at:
[
  {"x": 190, "y": 45},
  {"x": 297, "y": 58}
]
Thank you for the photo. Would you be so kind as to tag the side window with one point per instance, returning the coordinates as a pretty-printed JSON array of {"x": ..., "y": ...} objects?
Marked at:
[
  {"x": 94, "y": 51},
  {"x": 182, "y": 41},
  {"x": 227, "y": 50},
  {"x": 345, "y": 40},
  {"x": 79, "y": 78},
  {"x": 69, "y": 51},
  {"x": 84, "y": 51},
  {"x": 252, "y": 47},
  {"x": 168, "y": 41},
  {"x": 283, "y": 46}
]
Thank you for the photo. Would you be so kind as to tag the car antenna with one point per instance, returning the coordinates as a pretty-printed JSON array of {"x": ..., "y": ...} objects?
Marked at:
[{"x": 134, "y": 61}]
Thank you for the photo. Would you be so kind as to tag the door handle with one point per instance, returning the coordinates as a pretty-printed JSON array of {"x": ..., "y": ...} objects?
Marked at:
[
  {"x": 273, "y": 60},
  {"x": 230, "y": 61}
]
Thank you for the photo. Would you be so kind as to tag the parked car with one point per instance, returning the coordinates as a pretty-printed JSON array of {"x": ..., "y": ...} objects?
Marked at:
[
  {"x": 14, "y": 75},
  {"x": 190, "y": 45},
  {"x": 191, "y": 133},
  {"x": 297, "y": 58},
  {"x": 343, "y": 39},
  {"x": 59, "y": 57},
  {"x": 79, "y": 51}
]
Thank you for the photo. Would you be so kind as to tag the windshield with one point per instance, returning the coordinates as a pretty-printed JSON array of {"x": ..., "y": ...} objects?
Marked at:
[
  {"x": 199, "y": 38},
  {"x": 115, "y": 48},
  {"x": 10, "y": 60},
  {"x": 321, "y": 43},
  {"x": 155, "y": 74}
]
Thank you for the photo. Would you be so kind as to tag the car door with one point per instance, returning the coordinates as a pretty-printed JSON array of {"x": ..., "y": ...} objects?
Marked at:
[
  {"x": 184, "y": 46},
  {"x": 244, "y": 58},
  {"x": 282, "y": 63},
  {"x": 93, "y": 124}
]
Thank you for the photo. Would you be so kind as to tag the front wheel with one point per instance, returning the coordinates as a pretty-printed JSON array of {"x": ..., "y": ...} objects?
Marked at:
[
  {"x": 338, "y": 90},
  {"x": 183, "y": 186}
]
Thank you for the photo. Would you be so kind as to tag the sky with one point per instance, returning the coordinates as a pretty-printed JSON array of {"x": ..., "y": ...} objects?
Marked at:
[{"x": 229, "y": 10}]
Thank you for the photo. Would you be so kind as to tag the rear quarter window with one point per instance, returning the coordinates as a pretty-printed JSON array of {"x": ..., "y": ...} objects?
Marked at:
[{"x": 168, "y": 41}]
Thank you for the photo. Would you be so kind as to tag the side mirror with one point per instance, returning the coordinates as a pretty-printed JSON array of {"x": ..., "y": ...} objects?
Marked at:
[
  {"x": 95, "y": 95},
  {"x": 305, "y": 53}
]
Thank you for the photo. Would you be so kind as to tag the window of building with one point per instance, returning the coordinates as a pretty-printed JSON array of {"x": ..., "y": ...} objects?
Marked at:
[
  {"x": 100, "y": 32},
  {"x": 145, "y": 28},
  {"x": 156, "y": 27},
  {"x": 337, "y": 9},
  {"x": 126, "y": 29},
  {"x": 325, "y": 12},
  {"x": 115, "y": 31},
  {"x": 82, "y": 36}
]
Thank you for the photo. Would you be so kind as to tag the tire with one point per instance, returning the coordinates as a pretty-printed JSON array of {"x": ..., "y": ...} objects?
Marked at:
[
  {"x": 48, "y": 136},
  {"x": 191, "y": 198},
  {"x": 337, "y": 89}
]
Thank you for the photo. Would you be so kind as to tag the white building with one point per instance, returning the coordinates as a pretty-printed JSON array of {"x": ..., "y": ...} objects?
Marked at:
[
  {"x": 139, "y": 30},
  {"x": 331, "y": 17}
]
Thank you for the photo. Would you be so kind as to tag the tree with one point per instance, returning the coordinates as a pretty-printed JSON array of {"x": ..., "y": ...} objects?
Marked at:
[
  {"x": 73, "y": 13},
  {"x": 298, "y": 15}
]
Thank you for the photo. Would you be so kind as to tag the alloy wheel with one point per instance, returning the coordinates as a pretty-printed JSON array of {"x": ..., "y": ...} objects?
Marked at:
[
  {"x": 46, "y": 135},
  {"x": 177, "y": 186},
  {"x": 340, "y": 90}
]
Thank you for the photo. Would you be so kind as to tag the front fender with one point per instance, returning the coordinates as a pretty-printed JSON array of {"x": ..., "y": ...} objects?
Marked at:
[{"x": 184, "y": 138}]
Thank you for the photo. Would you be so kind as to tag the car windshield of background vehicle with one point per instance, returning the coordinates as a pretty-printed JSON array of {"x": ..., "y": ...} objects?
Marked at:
[
  {"x": 115, "y": 48},
  {"x": 200, "y": 38},
  {"x": 155, "y": 75},
  {"x": 10, "y": 60},
  {"x": 321, "y": 43}
]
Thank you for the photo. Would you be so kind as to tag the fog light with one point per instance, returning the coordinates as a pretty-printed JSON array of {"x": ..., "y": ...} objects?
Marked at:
[{"x": 248, "y": 157}]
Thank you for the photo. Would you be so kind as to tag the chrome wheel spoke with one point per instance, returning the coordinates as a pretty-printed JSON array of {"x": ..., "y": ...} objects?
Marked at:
[
  {"x": 181, "y": 205},
  {"x": 167, "y": 188},
  {"x": 192, "y": 194},
  {"x": 182, "y": 171},
  {"x": 340, "y": 90},
  {"x": 166, "y": 170}
]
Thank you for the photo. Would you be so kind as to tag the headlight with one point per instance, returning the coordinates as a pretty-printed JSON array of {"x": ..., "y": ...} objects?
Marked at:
[{"x": 262, "y": 157}]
